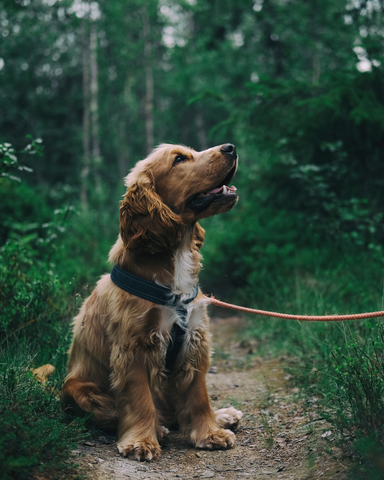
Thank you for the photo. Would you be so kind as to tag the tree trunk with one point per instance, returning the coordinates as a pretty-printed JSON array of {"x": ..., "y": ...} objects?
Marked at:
[
  {"x": 94, "y": 104},
  {"x": 149, "y": 88},
  {"x": 123, "y": 152},
  {"x": 86, "y": 115}
]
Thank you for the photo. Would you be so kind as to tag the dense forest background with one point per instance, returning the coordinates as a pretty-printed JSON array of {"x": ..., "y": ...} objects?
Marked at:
[{"x": 296, "y": 85}]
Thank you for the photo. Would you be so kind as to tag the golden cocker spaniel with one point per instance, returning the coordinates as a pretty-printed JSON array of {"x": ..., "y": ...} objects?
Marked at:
[{"x": 141, "y": 344}]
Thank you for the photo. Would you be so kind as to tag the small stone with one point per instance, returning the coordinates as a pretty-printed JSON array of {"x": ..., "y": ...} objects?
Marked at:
[
  {"x": 142, "y": 468},
  {"x": 207, "y": 474},
  {"x": 90, "y": 459},
  {"x": 89, "y": 444},
  {"x": 172, "y": 470},
  {"x": 213, "y": 369},
  {"x": 198, "y": 455}
]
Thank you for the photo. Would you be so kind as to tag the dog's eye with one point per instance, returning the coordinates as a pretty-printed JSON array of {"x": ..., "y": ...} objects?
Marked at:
[{"x": 179, "y": 159}]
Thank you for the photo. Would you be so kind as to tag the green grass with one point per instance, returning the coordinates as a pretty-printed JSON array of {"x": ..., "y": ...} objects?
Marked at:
[{"x": 36, "y": 435}]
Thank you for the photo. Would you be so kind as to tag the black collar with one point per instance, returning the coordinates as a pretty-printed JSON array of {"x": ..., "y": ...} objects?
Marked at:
[
  {"x": 149, "y": 290},
  {"x": 163, "y": 296}
]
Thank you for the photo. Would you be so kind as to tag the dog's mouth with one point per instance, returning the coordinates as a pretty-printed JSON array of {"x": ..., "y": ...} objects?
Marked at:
[{"x": 202, "y": 200}]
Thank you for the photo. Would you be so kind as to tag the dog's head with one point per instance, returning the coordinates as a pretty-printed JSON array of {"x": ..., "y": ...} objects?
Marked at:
[{"x": 172, "y": 188}]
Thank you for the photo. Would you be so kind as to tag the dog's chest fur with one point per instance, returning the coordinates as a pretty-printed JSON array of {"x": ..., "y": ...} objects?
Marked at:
[{"x": 186, "y": 269}]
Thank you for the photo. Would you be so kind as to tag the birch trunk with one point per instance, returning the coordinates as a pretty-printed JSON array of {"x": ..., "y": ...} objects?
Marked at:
[
  {"x": 94, "y": 104},
  {"x": 86, "y": 116},
  {"x": 123, "y": 154},
  {"x": 149, "y": 87}
]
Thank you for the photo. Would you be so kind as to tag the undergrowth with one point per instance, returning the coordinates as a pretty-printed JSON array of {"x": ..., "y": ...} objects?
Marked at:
[
  {"x": 37, "y": 299},
  {"x": 36, "y": 436},
  {"x": 358, "y": 400}
]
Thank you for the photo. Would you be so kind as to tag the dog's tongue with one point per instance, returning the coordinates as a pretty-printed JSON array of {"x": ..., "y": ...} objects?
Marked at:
[{"x": 232, "y": 188}]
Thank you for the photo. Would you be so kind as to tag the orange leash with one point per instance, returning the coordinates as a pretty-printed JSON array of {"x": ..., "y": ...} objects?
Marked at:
[{"x": 305, "y": 318}]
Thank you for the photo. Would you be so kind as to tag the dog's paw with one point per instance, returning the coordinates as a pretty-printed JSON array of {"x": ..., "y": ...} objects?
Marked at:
[
  {"x": 215, "y": 440},
  {"x": 162, "y": 433},
  {"x": 140, "y": 450},
  {"x": 228, "y": 418}
]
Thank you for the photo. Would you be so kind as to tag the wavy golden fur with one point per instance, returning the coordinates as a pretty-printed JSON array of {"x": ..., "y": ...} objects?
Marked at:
[{"x": 116, "y": 364}]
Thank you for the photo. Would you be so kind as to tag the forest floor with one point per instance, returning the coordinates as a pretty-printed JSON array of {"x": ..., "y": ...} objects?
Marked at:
[{"x": 281, "y": 434}]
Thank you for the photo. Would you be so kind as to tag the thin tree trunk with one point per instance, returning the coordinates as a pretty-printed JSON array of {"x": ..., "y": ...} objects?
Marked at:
[
  {"x": 123, "y": 155},
  {"x": 86, "y": 115},
  {"x": 149, "y": 87},
  {"x": 94, "y": 104},
  {"x": 313, "y": 33}
]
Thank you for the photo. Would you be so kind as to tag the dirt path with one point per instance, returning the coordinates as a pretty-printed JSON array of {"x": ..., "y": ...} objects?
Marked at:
[{"x": 280, "y": 435}]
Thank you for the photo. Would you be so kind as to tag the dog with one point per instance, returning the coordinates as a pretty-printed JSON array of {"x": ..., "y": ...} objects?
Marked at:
[{"x": 141, "y": 344}]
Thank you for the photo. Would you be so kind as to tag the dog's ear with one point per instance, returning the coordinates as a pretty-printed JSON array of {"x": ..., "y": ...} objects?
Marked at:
[
  {"x": 146, "y": 223},
  {"x": 198, "y": 236}
]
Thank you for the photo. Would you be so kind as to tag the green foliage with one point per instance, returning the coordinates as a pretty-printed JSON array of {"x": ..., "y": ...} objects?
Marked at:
[
  {"x": 360, "y": 372},
  {"x": 9, "y": 161},
  {"x": 27, "y": 294},
  {"x": 35, "y": 435},
  {"x": 358, "y": 398},
  {"x": 326, "y": 148}
]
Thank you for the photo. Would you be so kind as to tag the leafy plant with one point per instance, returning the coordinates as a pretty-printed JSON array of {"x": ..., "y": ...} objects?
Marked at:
[
  {"x": 359, "y": 400},
  {"x": 35, "y": 434},
  {"x": 10, "y": 162}
]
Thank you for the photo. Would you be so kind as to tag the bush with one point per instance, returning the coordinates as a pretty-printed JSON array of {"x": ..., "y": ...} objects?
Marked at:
[
  {"x": 27, "y": 293},
  {"x": 35, "y": 434},
  {"x": 359, "y": 400}
]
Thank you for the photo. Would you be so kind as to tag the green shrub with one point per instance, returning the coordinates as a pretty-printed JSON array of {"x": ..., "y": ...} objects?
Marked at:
[
  {"x": 358, "y": 397},
  {"x": 35, "y": 434},
  {"x": 27, "y": 294}
]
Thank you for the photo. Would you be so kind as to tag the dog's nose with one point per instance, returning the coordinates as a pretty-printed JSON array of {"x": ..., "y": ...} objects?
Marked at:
[{"x": 229, "y": 148}]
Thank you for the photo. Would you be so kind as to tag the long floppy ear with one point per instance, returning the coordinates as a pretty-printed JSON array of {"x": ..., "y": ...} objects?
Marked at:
[{"x": 146, "y": 223}]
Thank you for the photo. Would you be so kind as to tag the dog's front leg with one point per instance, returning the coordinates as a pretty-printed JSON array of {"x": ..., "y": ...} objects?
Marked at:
[
  {"x": 194, "y": 412},
  {"x": 197, "y": 417},
  {"x": 137, "y": 413}
]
